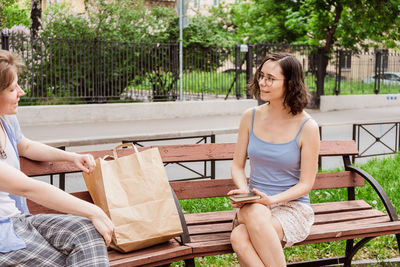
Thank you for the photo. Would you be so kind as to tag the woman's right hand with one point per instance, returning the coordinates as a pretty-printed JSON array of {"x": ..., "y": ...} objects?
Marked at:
[
  {"x": 103, "y": 224},
  {"x": 235, "y": 192}
]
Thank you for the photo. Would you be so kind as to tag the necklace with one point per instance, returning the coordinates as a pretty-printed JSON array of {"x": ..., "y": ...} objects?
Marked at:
[{"x": 3, "y": 154}]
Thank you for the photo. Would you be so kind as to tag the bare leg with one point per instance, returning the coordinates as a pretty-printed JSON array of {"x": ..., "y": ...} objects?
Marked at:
[
  {"x": 243, "y": 248},
  {"x": 265, "y": 233}
]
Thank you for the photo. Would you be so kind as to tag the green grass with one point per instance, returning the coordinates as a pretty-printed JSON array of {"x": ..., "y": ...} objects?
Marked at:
[
  {"x": 386, "y": 171},
  {"x": 200, "y": 82}
]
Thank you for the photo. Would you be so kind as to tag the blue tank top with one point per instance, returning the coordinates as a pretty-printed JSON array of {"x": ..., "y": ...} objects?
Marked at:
[{"x": 274, "y": 167}]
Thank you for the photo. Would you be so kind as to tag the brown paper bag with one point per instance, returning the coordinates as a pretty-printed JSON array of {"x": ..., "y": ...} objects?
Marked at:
[{"x": 135, "y": 193}]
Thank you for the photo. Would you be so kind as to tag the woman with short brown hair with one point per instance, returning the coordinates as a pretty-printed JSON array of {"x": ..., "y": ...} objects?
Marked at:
[{"x": 282, "y": 143}]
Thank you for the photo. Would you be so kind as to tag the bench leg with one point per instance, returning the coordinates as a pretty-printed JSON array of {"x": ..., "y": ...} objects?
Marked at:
[
  {"x": 351, "y": 252},
  {"x": 398, "y": 241},
  {"x": 189, "y": 263}
]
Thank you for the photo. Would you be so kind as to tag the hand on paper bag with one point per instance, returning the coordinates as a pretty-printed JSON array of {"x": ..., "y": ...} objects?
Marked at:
[
  {"x": 85, "y": 162},
  {"x": 102, "y": 224}
]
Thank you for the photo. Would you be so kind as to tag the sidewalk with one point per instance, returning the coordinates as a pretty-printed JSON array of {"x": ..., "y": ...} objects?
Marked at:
[{"x": 102, "y": 132}]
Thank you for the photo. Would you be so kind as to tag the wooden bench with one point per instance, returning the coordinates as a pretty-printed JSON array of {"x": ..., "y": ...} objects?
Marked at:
[{"x": 208, "y": 233}]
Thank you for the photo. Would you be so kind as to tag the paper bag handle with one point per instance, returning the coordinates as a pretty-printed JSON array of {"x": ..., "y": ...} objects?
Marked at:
[
  {"x": 122, "y": 146},
  {"x": 110, "y": 157}
]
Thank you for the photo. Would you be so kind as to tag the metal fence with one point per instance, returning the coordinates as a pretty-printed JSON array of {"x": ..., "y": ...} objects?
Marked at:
[
  {"x": 98, "y": 71},
  {"x": 376, "y": 72},
  {"x": 72, "y": 71}
]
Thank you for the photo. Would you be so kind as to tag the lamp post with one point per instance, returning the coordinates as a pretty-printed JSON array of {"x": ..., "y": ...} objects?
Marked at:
[{"x": 181, "y": 8}]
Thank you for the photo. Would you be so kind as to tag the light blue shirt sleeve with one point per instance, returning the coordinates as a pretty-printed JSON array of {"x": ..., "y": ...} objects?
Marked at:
[
  {"x": 13, "y": 121},
  {"x": 10, "y": 241}
]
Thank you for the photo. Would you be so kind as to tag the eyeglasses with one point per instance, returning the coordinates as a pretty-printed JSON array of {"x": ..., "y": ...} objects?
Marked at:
[{"x": 269, "y": 81}]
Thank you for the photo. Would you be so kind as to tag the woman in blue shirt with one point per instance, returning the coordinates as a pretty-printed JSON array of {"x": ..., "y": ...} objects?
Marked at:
[
  {"x": 282, "y": 143},
  {"x": 44, "y": 239}
]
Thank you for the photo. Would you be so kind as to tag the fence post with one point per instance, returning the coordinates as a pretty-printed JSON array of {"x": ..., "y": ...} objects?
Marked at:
[
  {"x": 339, "y": 64},
  {"x": 5, "y": 41},
  {"x": 378, "y": 71},
  {"x": 249, "y": 67},
  {"x": 238, "y": 68},
  {"x": 321, "y": 71}
]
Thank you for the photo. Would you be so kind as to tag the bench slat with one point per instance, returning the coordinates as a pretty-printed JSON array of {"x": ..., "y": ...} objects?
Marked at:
[
  {"x": 323, "y": 222},
  {"x": 359, "y": 230},
  {"x": 211, "y": 237},
  {"x": 177, "y": 153},
  {"x": 337, "y": 180},
  {"x": 212, "y": 247},
  {"x": 220, "y": 187},
  {"x": 346, "y": 216},
  {"x": 206, "y": 217},
  {"x": 338, "y": 148},
  {"x": 319, "y": 208},
  {"x": 171, "y": 249},
  {"x": 316, "y": 228},
  {"x": 210, "y": 228},
  {"x": 328, "y": 207},
  {"x": 36, "y": 208}
]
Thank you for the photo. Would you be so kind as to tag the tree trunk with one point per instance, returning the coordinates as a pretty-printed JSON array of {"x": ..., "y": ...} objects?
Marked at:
[
  {"x": 323, "y": 55},
  {"x": 36, "y": 14}
]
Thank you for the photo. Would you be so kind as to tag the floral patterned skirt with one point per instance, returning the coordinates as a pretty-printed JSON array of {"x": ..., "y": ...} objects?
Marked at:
[{"x": 296, "y": 219}]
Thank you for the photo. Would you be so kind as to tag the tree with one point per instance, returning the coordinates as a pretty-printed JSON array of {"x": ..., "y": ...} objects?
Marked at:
[
  {"x": 260, "y": 21},
  {"x": 3, "y": 5},
  {"x": 354, "y": 25},
  {"x": 328, "y": 24},
  {"x": 14, "y": 13},
  {"x": 36, "y": 15}
]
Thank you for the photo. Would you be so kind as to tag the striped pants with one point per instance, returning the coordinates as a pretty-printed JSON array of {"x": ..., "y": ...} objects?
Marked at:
[{"x": 56, "y": 240}]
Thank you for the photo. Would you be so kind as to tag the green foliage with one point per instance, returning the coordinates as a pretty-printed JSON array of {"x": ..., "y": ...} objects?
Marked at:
[
  {"x": 59, "y": 22},
  {"x": 124, "y": 21},
  {"x": 101, "y": 51},
  {"x": 260, "y": 21},
  {"x": 3, "y": 5},
  {"x": 207, "y": 31},
  {"x": 347, "y": 24},
  {"x": 117, "y": 28},
  {"x": 14, "y": 14}
]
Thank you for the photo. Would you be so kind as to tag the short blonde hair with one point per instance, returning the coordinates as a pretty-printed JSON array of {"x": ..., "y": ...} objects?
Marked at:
[{"x": 10, "y": 65}]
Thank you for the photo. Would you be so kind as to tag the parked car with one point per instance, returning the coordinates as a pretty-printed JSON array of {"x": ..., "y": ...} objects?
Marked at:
[{"x": 385, "y": 78}]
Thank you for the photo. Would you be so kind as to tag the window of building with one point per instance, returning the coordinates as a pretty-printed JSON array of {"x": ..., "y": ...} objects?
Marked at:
[
  {"x": 345, "y": 60},
  {"x": 196, "y": 4},
  {"x": 381, "y": 59}
]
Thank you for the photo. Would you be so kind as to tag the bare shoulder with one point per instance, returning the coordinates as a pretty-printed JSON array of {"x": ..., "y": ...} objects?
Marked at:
[
  {"x": 310, "y": 132},
  {"x": 246, "y": 116},
  {"x": 311, "y": 125}
]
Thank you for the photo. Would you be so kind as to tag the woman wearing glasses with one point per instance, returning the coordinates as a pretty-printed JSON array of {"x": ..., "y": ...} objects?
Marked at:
[
  {"x": 44, "y": 239},
  {"x": 282, "y": 142}
]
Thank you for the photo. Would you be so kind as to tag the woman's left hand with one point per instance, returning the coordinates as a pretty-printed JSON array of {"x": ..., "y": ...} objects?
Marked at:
[
  {"x": 85, "y": 162},
  {"x": 265, "y": 199}
]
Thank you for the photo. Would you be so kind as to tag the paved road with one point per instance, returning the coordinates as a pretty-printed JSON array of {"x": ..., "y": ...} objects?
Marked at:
[{"x": 336, "y": 125}]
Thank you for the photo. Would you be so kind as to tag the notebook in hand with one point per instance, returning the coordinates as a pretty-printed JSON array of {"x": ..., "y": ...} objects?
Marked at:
[{"x": 244, "y": 197}]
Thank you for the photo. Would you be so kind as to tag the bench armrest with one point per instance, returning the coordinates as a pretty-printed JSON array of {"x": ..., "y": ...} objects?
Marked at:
[
  {"x": 378, "y": 188},
  {"x": 185, "y": 236}
]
